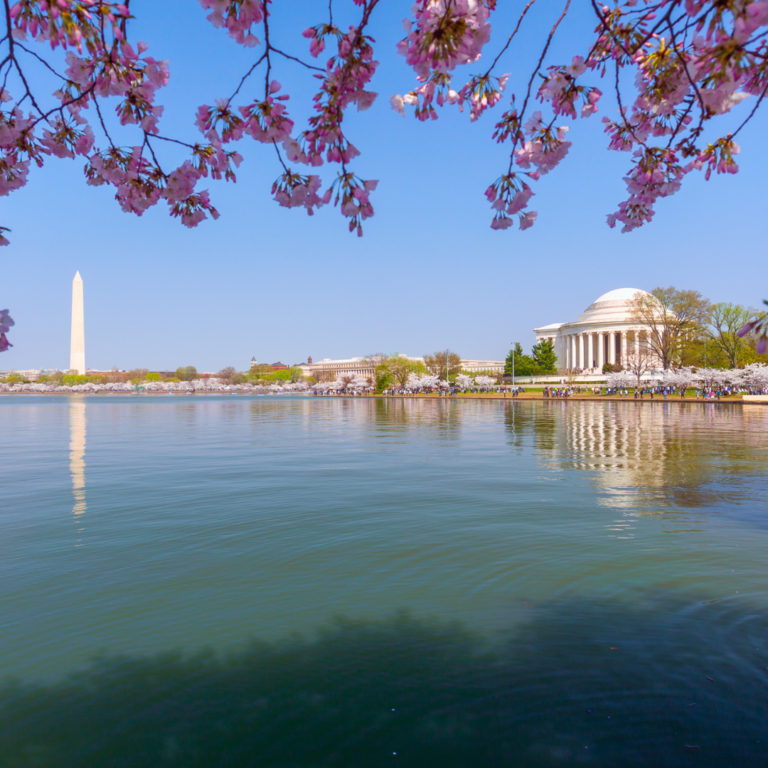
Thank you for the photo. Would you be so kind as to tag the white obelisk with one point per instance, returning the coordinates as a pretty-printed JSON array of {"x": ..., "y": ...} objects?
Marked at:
[{"x": 77, "y": 348}]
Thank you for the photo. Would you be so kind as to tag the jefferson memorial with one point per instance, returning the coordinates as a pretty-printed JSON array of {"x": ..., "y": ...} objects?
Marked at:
[{"x": 603, "y": 333}]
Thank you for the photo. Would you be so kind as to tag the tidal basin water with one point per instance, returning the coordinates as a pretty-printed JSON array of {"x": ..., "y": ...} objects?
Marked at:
[{"x": 275, "y": 581}]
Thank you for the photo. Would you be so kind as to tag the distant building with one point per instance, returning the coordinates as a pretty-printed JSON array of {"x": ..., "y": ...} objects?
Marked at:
[
  {"x": 305, "y": 368},
  {"x": 478, "y": 366},
  {"x": 267, "y": 367},
  {"x": 31, "y": 374},
  {"x": 330, "y": 370}
]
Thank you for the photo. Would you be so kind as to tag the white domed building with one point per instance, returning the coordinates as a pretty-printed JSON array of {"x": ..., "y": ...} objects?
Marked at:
[{"x": 603, "y": 333}]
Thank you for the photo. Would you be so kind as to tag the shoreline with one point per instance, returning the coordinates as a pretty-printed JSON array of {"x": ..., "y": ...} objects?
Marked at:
[{"x": 525, "y": 396}]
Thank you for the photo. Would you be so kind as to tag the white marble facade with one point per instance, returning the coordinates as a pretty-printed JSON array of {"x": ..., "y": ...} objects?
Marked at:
[{"x": 603, "y": 333}]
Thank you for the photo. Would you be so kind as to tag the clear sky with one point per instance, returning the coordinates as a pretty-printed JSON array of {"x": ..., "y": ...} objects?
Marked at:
[{"x": 429, "y": 272}]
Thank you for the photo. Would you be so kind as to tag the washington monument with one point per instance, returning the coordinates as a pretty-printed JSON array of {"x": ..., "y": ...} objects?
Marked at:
[{"x": 77, "y": 347}]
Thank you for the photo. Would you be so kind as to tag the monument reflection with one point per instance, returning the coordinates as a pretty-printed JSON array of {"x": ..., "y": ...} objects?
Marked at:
[{"x": 77, "y": 423}]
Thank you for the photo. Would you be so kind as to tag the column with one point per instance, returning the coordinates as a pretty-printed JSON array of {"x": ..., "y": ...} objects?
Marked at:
[
  {"x": 600, "y": 352},
  {"x": 573, "y": 351},
  {"x": 624, "y": 349},
  {"x": 591, "y": 350},
  {"x": 612, "y": 347}
]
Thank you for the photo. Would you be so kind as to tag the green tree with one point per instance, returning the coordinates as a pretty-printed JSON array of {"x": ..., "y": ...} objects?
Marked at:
[
  {"x": 395, "y": 369},
  {"x": 524, "y": 365},
  {"x": 186, "y": 374},
  {"x": 544, "y": 356},
  {"x": 153, "y": 376},
  {"x": 674, "y": 319},
  {"x": 384, "y": 378},
  {"x": 725, "y": 320},
  {"x": 284, "y": 374},
  {"x": 446, "y": 364}
]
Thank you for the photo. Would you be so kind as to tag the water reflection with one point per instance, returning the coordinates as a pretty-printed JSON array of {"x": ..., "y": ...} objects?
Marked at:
[
  {"x": 648, "y": 455},
  {"x": 533, "y": 424},
  {"x": 77, "y": 423},
  {"x": 393, "y": 414}
]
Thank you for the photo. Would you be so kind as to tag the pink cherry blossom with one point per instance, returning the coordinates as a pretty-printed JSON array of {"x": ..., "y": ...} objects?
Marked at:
[
  {"x": 669, "y": 66},
  {"x": 6, "y": 321}
]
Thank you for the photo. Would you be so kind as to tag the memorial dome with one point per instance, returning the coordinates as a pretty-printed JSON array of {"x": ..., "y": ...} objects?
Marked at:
[
  {"x": 606, "y": 332},
  {"x": 613, "y": 306}
]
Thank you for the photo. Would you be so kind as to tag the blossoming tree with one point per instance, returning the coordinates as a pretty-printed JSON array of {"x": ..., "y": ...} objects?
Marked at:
[{"x": 690, "y": 62}]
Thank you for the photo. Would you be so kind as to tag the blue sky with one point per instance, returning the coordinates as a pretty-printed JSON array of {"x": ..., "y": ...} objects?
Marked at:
[{"x": 429, "y": 272}]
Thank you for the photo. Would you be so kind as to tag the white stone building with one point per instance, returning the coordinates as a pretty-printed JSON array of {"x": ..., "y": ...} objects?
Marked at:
[
  {"x": 330, "y": 370},
  {"x": 482, "y": 366},
  {"x": 603, "y": 333}
]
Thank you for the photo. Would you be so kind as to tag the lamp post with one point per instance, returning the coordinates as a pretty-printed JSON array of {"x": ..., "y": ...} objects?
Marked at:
[{"x": 513, "y": 365}]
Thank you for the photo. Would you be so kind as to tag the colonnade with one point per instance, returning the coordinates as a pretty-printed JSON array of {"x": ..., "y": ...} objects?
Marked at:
[{"x": 593, "y": 349}]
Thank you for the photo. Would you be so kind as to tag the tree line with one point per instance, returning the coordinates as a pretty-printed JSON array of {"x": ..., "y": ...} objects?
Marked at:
[{"x": 686, "y": 329}]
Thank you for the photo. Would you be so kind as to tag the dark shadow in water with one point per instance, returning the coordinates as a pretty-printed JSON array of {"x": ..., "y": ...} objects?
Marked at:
[{"x": 578, "y": 685}]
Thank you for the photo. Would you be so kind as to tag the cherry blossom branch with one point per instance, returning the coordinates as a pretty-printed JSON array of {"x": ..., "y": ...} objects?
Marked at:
[
  {"x": 510, "y": 38},
  {"x": 693, "y": 59}
]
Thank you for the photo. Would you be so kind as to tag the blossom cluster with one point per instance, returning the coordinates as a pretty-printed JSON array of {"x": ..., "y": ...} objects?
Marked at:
[
  {"x": 509, "y": 195},
  {"x": 751, "y": 378},
  {"x": 693, "y": 61},
  {"x": 6, "y": 321},
  {"x": 759, "y": 326},
  {"x": 697, "y": 61},
  {"x": 445, "y": 34},
  {"x": 159, "y": 387},
  {"x": 674, "y": 65},
  {"x": 100, "y": 63}
]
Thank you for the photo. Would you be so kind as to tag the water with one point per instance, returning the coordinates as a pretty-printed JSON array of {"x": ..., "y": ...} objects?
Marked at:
[{"x": 234, "y": 581}]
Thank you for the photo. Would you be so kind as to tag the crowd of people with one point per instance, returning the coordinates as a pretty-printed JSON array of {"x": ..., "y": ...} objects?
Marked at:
[{"x": 708, "y": 384}]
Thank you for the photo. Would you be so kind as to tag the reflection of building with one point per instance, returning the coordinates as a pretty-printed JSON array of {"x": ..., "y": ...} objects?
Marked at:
[
  {"x": 77, "y": 452},
  {"x": 603, "y": 333},
  {"x": 644, "y": 456}
]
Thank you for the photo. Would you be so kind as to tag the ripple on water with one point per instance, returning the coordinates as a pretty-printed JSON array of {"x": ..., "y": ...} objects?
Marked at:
[{"x": 553, "y": 559}]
